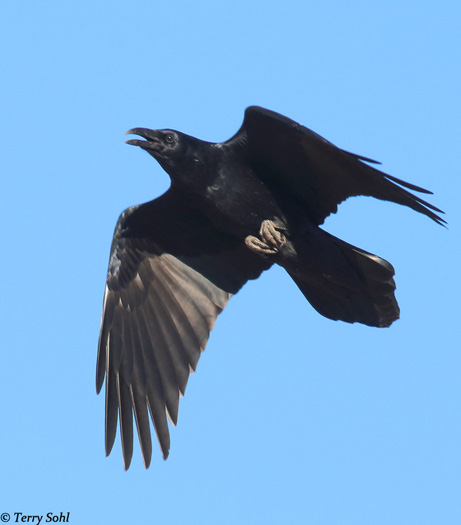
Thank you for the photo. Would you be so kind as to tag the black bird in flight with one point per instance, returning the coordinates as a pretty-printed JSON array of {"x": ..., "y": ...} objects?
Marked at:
[{"x": 233, "y": 209}]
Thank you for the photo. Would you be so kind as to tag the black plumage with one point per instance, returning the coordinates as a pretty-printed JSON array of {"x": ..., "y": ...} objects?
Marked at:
[{"x": 233, "y": 209}]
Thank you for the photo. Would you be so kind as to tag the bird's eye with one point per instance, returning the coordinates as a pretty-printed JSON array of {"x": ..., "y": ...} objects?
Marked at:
[{"x": 169, "y": 138}]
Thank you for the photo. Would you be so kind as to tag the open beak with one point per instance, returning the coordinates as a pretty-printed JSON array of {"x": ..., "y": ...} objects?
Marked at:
[{"x": 151, "y": 141}]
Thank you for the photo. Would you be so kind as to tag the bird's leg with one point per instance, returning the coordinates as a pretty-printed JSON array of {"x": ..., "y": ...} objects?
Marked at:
[{"x": 271, "y": 238}]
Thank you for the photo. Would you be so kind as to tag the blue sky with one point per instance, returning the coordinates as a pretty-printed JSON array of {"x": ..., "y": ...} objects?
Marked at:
[{"x": 290, "y": 418}]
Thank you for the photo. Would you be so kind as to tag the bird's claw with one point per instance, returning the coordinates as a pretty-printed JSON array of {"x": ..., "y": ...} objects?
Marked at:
[
  {"x": 271, "y": 233},
  {"x": 271, "y": 238},
  {"x": 259, "y": 247}
]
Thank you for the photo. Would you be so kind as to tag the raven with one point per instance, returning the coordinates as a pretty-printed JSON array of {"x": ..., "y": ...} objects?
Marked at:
[{"x": 233, "y": 209}]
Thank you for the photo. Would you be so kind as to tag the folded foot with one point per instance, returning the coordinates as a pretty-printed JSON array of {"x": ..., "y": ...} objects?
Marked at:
[{"x": 271, "y": 238}]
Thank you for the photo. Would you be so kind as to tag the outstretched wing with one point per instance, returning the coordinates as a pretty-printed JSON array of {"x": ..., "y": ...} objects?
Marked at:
[
  {"x": 292, "y": 158},
  {"x": 170, "y": 274}
]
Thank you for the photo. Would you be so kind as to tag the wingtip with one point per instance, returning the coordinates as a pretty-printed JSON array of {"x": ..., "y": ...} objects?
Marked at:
[
  {"x": 146, "y": 461},
  {"x": 99, "y": 383}
]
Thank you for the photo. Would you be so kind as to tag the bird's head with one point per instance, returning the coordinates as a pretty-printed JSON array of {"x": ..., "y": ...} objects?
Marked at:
[{"x": 174, "y": 151}]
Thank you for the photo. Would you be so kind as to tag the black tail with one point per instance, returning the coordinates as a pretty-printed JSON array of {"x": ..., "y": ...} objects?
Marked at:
[{"x": 342, "y": 282}]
